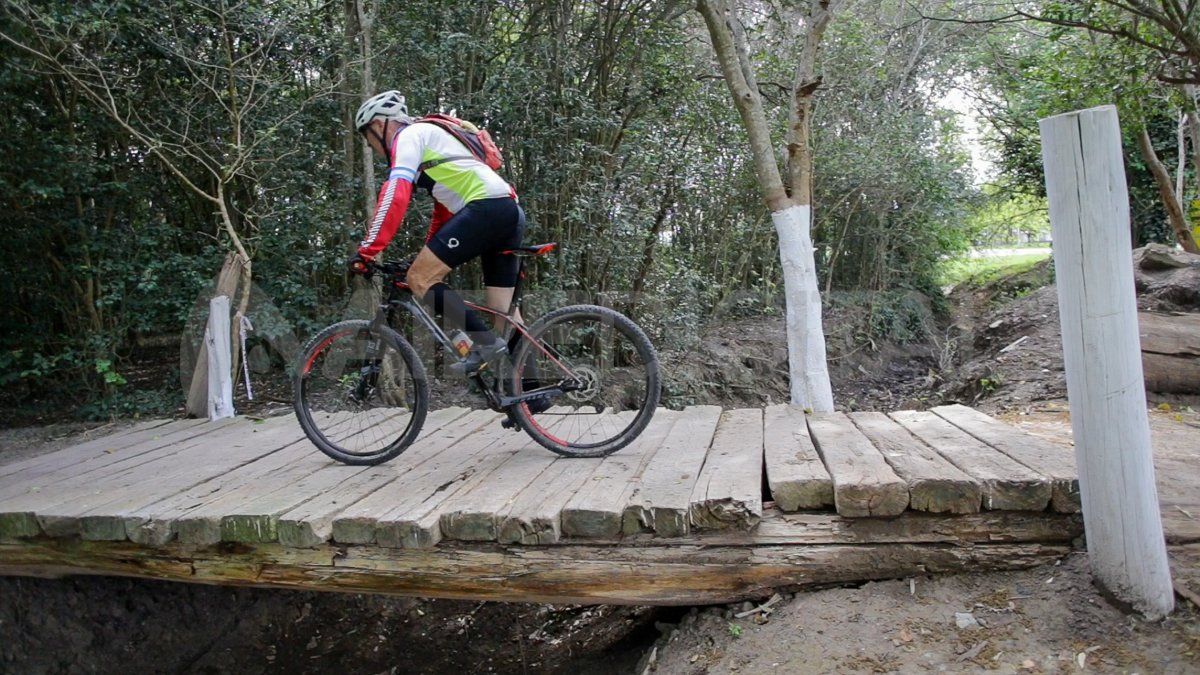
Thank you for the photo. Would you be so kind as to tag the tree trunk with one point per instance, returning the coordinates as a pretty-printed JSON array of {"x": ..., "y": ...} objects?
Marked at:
[
  {"x": 807, "y": 366},
  {"x": 366, "y": 90},
  {"x": 1166, "y": 191},
  {"x": 810, "y": 387}
]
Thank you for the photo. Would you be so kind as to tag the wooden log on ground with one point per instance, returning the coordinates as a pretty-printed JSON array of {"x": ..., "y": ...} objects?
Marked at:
[
  {"x": 1170, "y": 351},
  {"x": 728, "y": 493},
  {"x": 934, "y": 484},
  {"x": 1051, "y": 460},
  {"x": 796, "y": 475},
  {"x": 675, "y": 575},
  {"x": 1006, "y": 483},
  {"x": 864, "y": 484},
  {"x": 911, "y": 527}
]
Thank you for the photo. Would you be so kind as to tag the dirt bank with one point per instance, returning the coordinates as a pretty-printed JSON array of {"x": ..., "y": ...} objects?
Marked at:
[{"x": 1046, "y": 620}]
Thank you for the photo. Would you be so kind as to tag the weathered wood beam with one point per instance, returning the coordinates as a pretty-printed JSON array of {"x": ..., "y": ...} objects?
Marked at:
[{"x": 662, "y": 575}]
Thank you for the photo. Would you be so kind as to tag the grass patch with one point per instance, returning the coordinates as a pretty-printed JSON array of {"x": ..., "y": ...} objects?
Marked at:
[{"x": 982, "y": 271}]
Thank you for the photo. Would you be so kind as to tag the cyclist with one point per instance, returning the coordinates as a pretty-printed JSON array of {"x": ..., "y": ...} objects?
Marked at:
[{"x": 475, "y": 215}]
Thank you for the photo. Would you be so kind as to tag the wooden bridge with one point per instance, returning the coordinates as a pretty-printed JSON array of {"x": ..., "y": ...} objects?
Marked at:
[{"x": 706, "y": 506}]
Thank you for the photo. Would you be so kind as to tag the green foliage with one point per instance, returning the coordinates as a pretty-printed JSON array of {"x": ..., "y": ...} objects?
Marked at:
[
  {"x": 1004, "y": 218},
  {"x": 621, "y": 144},
  {"x": 980, "y": 272},
  {"x": 1024, "y": 77}
]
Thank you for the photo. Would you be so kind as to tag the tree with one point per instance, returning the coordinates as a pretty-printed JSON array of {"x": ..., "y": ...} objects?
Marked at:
[
  {"x": 196, "y": 86},
  {"x": 790, "y": 206}
]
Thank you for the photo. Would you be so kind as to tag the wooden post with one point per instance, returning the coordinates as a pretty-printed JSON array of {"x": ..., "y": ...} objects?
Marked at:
[
  {"x": 220, "y": 381},
  {"x": 227, "y": 284},
  {"x": 1089, "y": 216}
]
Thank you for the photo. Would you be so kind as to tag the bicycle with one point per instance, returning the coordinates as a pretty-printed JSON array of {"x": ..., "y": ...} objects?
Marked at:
[{"x": 582, "y": 380}]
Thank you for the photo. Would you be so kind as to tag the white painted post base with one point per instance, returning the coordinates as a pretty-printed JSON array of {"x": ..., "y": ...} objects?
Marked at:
[
  {"x": 807, "y": 364},
  {"x": 1089, "y": 214},
  {"x": 220, "y": 380}
]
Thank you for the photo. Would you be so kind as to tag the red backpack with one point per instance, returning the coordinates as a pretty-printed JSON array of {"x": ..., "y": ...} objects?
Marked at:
[{"x": 478, "y": 141}]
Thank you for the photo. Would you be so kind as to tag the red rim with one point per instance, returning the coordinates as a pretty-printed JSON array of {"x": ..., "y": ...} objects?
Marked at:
[{"x": 320, "y": 348}]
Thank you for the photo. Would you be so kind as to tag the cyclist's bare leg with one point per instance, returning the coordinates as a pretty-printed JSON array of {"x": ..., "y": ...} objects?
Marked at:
[
  {"x": 500, "y": 299},
  {"x": 426, "y": 270}
]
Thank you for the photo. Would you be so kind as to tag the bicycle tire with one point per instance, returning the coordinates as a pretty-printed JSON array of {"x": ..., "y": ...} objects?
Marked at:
[
  {"x": 300, "y": 398},
  {"x": 645, "y": 350}
]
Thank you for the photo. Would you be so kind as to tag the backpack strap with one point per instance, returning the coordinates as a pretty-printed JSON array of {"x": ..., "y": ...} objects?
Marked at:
[{"x": 425, "y": 166}]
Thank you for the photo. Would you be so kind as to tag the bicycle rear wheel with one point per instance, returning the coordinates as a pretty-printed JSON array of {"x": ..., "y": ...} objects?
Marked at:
[
  {"x": 607, "y": 369},
  {"x": 361, "y": 396}
]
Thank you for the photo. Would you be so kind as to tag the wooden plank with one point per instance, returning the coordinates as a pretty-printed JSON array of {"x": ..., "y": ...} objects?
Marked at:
[
  {"x": 245, "y": 507},
  {"x": 534, "y": 515},
  {"x": 813, "y": 528},
  {"x": 672, "y": 575},
  {"x": 664, "y": 493},
  {"x": 1056, "y": 462},
  {"x": 94, "y": 458},
  {"x": 92, "y": 441},
  {"x": 218, "y": 339},
  {"x": 477, "y": 510},
  {"x": 1170, "y": 351},
  {"x": 1006, "y": 484},
  {"x": 864, "y": 484},
  {"x": 598, "y": 505},
  {"x": 428, "y": 479},
  {"x": 94, "y": 504},
  {"x": 171, "y": 516},
  {"x": 148, "y": 516},
  {"x": 18, "y": 512},
  {"x": 934, "y": 484},
  {"x": 728, "y": 493},
  {"x": 255, "y": 520},
  {"x": 796, "y": 475},
  {"x": 311, "y": 523},
  {"x": 157, "y": 522}
]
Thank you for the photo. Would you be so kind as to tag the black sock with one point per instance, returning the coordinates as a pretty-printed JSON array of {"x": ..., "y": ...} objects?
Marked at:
[{"x": 449, "y": 305}]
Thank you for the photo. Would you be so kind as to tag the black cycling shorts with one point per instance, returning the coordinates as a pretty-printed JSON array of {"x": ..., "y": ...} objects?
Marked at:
[{"x": 482, "y": 229}]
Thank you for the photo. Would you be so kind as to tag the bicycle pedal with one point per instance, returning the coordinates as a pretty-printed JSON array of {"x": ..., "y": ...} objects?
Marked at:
[{"x": 508, "y": 423}]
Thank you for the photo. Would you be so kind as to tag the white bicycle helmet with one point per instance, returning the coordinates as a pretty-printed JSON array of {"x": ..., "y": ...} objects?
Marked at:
[{"x": 389, "y": 105}]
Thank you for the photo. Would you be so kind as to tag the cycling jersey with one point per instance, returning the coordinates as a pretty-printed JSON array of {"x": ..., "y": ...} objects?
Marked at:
[{"x": 455, "y": 183}]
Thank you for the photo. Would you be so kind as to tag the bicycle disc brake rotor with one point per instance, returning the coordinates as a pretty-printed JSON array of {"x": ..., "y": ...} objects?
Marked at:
[{"x": 589, "y": 382}]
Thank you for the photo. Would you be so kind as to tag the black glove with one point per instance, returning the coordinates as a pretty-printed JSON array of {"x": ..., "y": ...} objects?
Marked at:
[{"x": 357, "y": 264}]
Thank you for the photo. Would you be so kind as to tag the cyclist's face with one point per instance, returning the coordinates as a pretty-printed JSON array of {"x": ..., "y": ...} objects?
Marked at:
[{"x": 373, "y": 132}]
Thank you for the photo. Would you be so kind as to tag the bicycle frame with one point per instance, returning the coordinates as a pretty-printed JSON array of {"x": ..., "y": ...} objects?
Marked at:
[{"x": 400, "y": 296}]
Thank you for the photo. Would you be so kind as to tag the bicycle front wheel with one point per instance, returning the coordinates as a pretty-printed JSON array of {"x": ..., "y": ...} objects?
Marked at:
[
  {"x": 360, "y": 395},
  {"x": 601, "y": 375}
]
